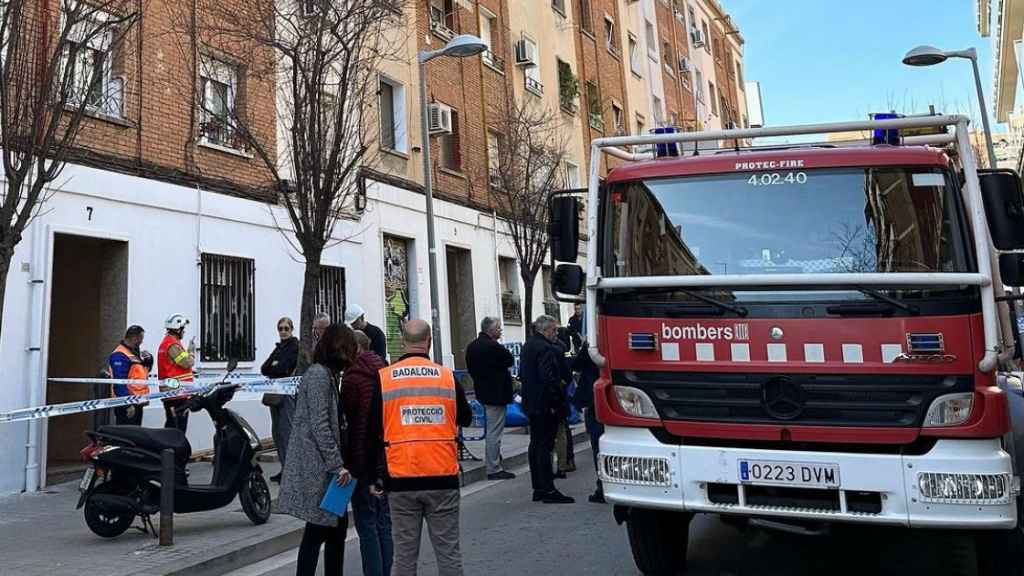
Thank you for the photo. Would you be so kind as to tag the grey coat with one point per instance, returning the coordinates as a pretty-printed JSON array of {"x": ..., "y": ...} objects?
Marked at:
[{"x": 314, "y": 448}]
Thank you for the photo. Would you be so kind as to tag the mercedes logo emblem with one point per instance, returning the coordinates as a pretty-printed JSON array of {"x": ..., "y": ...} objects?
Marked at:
[
  {"x": 782, "y": 398},
  {"x": 776, "y": 333}
]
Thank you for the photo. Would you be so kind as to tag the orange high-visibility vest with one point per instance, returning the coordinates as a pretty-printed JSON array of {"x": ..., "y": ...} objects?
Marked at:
[
  {"x": 420, "y": 432},
  {"x": 136, "y": 372},
  {"x": 165, "y": 366}
]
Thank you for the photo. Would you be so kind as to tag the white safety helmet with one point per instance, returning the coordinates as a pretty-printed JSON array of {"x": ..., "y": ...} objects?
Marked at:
[
  {"x": 352, "y": 313},
  {"x": 176, "y": 322}
]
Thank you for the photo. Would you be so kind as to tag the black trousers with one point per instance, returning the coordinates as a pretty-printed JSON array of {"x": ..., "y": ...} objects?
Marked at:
[
  {"x": 543, "y": 428},
  {"x": 121, "y": 415},
  {"x": 332, "y": 538},
  {"x": 176, "y": 415}
]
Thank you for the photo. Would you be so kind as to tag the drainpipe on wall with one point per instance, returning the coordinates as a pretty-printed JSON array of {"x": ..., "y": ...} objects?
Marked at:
[
  {"x": 199, "y": 270},
  {"x": 36, "y": 380},
  {"x": 497, "y": 264}
]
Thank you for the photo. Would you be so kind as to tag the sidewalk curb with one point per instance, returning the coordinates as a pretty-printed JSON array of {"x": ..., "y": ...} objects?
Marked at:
[{"x": 258, "y": 548}]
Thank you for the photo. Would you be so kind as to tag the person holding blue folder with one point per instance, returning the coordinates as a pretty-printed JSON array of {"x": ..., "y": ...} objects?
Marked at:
[{"x": 315, "y": 457}]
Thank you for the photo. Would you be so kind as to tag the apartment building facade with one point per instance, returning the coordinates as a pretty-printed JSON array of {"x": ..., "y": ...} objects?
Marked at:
[{"x": 164, "y": 209}]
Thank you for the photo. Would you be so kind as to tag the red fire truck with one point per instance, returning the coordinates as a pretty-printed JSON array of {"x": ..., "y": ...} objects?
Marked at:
[{"x": 803, "y": 335}]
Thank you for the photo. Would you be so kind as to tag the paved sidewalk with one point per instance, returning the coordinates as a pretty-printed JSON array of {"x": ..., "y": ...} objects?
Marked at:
[{"x": 42, "y": 533}]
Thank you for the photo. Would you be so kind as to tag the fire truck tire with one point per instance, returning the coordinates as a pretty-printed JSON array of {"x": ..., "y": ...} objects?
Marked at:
[
  {"x": 659, "y": 539},
  {"x": 1001, "y": 552}
]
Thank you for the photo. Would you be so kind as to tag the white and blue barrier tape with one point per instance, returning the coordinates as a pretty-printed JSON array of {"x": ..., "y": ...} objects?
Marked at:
[{"x": 259, "y": 386}]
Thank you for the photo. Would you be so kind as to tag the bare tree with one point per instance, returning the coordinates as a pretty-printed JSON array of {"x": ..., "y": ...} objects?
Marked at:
[
  {"x": 55, "y": 64},
  {"x": 323, "y": 57},
  {"x": 525, "y": 167}
]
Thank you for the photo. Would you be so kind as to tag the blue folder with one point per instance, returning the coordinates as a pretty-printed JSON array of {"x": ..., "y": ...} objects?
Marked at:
[{"x": 336, "y": 498}]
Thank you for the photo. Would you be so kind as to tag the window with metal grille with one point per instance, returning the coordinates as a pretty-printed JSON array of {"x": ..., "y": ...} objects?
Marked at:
[
  {"x": 228, "y": 308},
  {"x": 330, "y": 297}
]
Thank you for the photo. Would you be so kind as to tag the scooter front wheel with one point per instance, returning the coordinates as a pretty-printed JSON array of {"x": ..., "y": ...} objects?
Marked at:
[
  {"x": 255, "y": 497},
  {"x": 104, "y": 522}
]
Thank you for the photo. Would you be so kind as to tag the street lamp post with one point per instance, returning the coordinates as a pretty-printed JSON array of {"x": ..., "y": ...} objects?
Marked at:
[
  {"x": 930, "y": 55},
  {"x": 462, "y": 46}
]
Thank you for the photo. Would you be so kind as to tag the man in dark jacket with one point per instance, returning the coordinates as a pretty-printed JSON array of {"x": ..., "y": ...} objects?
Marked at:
[
  {"x": 355, "y": 317},
  {"x": 488, "y": 363},
  {"x": 363, "y": 452},
  {"x": 541, "y": 368}
]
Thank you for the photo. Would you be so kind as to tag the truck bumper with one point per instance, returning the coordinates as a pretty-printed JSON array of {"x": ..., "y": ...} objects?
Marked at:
[{"x": 638, "y": 470}]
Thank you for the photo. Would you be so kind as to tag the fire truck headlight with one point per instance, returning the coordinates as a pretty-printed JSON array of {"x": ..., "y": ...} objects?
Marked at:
[
  {"x": 635, "y": 402},
  {"x": 964, "y": 488},
  {"x": 949, "y": 410}
]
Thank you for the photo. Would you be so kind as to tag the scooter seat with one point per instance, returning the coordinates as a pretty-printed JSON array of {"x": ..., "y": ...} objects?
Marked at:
[{"x": 156, "y": 439}]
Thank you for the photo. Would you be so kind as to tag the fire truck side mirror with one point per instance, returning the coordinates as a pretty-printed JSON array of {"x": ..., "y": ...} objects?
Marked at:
[
  {"x": 564, "y": 228},
  {"x": 1004, "y": 208},
  {"x": 568, "y": 280},
  {"x": 1011, "y": 268}
]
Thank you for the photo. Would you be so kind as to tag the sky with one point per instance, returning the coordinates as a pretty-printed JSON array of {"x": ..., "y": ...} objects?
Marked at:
[{"x": 838, "y": 60}]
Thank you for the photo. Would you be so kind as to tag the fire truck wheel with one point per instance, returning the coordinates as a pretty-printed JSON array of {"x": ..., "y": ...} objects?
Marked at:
[
  {"x": 658, "y": 539},
  {"x": 1001, "y": 552}
]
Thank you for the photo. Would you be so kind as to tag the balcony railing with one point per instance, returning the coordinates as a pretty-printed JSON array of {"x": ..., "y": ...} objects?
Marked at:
[
  {"x": 217, "y": 131},
  {"x": 534, "y": 86},
  {"x": 511, "y": 309},
  {"x": 493, "y": 60}
]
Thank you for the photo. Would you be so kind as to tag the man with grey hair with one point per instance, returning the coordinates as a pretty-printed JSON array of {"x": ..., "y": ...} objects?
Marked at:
[
  {"x": 320, "y": 323},
  {"x": 488, "y": 363},
  {"x": 545, "y": 405}
]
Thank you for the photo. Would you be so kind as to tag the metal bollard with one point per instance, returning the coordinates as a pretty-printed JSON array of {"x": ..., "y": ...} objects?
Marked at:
[{"x": 167, "y": 497}]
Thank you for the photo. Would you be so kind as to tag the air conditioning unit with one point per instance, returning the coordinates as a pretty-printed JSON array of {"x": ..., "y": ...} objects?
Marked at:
[
  {"x": 697, "y": 35},
  {"x": 526, "y": 53},
  {"x": 440, "y": 118},
  {"x": 684, "y": 64}
]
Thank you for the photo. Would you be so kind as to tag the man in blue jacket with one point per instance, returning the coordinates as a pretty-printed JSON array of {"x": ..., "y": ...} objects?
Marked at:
[{"x": 541, "y": 367}]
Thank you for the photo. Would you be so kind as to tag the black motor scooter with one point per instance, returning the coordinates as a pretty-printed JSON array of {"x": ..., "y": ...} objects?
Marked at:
[{"x": 123, "y": 477}]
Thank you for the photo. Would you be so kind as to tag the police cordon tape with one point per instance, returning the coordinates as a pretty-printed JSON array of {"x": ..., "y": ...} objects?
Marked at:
[
  {"x": 259, "y": 386},
  {"x": 153, "y": 381}
]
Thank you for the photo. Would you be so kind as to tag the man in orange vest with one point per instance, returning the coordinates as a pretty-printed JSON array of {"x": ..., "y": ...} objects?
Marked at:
[
  {"x": 423, "y": 407},
  {"x": 126, "y": 362},
  {"x": 174, "y": 362}
]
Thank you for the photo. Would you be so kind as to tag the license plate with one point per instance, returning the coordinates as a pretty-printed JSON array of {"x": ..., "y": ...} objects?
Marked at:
[
  {"x": 86, "y": 479},
  {"x": 772, "y": 473}
]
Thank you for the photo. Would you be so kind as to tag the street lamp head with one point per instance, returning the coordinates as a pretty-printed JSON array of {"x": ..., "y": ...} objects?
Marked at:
[
  {"x": 464, "y": 46},
  {"x": 925, "y": 56}
]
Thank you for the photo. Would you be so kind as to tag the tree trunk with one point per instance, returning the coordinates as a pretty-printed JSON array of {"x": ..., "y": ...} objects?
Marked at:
[
  {"x": 307, "y": 310},
  {"x": 528, "y": 305},
  {"x": 5, "y": 266}
]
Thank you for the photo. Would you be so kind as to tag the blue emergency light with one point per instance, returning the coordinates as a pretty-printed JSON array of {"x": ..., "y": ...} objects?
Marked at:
[
  {"x": 666, "y": 149},
  {"x": 891, "y": 136}
]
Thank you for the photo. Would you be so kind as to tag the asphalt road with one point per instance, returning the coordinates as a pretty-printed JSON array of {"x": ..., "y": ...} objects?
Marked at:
[{"x": 504, "y": 532}]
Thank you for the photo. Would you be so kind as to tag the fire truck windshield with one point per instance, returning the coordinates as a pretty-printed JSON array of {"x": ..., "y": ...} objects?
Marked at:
[{"x": 836, "y": 220}]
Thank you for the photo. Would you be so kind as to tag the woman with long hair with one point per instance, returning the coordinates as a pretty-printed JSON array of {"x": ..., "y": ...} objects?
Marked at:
[{"x": 315, "y": 454}]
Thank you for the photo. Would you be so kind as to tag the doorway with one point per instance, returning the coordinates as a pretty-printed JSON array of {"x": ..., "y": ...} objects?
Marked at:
[
  {"x": 461, "y": 308},
  {"x": 88, "y": 316}
]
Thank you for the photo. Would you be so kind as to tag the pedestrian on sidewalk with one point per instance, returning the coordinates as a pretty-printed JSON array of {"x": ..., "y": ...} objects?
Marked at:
[
  {"x": 281, "y": 364},
  {"x": 174, "y": 362},
  {"x": 128, "y": 362},
  {"x": 423, "y": 407},
  {"x": 363, "y": 453},
  {"x": 355, "y": 317},
  {"x": 488, "y": 363},
  {"x": 584, "y": 400},
  {"x": 315, "y": 455},
  {"x": 541, "y": 369},
  {"x": 320, "y": 323}
]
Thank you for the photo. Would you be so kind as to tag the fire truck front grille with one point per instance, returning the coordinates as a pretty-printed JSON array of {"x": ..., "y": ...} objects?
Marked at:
[{"x": 806, "y": 399}]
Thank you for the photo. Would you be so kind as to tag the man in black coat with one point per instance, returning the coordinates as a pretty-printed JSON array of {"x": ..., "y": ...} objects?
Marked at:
[
  {"x": 355, "y": 318},
  {"x": 541, "y": 368},
  {"x": 488, "y": 363}
]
